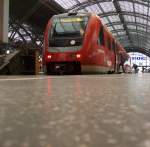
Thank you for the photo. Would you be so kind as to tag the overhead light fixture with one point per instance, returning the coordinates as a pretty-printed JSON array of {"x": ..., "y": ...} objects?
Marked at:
[{"x": 8, "y": 52}]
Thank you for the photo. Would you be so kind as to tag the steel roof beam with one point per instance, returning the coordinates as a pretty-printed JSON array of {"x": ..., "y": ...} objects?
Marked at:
[
  {"x": 92, "y": 2},
  {"x": 103, "y": 12},
  {"x": 137, "y": 2},
  {"x": 17, "y": 31},
  {"x": 142, "y": 50},
  {"x": 147, "y": 21},
  {"x": 118, "y": 9},
  {"x": 128, "y": 23},
  {"x": 124, "y": 13},
  {"x": 142, "y": 36},
  {"x": 130, "y": 30},
  {"x": 83, "y": 5},
  {"x": 31, "y": 12},
  {"x": 21, "y": 27}
]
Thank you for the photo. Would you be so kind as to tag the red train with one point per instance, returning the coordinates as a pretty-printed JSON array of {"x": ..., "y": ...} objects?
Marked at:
[{"x": 80, "y": 43}]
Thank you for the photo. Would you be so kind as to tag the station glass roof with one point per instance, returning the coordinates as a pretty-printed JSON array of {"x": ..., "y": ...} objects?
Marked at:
[{"x": 128, "y": 20}]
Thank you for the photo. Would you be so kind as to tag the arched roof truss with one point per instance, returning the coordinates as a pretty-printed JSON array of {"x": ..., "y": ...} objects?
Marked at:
[{"x": 129, "y": 21}]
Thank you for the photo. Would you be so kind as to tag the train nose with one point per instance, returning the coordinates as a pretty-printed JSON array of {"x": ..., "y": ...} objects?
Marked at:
[
  {"x": 70, "y": 57},
  {"x": 64, "y": 57}
]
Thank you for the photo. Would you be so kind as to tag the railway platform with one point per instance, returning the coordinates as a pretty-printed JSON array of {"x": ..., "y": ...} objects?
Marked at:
[{"x": 75, "y": 111}]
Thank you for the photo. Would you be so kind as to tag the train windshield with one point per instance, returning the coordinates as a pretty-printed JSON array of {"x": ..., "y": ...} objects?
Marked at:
[{"x": 67, "y": 32}]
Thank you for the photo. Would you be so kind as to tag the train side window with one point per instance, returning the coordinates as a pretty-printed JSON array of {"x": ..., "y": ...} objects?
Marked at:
[
  {"x": 113, "y": 45},
  {"x": 109, "y": 44},
  {"x": 101, "y": 36},
  {"x": 117, "y": 48}
]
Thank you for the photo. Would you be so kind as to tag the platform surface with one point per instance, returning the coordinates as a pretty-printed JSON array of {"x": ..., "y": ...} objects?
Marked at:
[{"x": 75, "y": 111}]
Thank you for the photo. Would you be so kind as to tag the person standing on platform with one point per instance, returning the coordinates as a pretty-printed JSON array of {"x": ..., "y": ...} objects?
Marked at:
[{"x": 135, "y": 67}]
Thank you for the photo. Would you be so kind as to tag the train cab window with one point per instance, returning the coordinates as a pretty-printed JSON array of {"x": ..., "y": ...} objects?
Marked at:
[
  {"x": 101, "y": 36},
  {"x": 65, "y": 29}
]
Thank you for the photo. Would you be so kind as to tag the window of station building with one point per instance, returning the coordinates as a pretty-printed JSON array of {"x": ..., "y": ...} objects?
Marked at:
[{"x": 101, "y": 36}]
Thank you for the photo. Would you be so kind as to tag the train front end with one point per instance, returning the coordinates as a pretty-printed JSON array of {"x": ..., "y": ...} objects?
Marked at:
[{"x": 64, "y": 44}]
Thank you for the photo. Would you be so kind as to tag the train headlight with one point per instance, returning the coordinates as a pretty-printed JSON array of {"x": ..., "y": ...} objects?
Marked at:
[
  {"x": 78, "y": 56},
  {"x": 72, "y": 42},
  {"x": 49, "y": 56}
]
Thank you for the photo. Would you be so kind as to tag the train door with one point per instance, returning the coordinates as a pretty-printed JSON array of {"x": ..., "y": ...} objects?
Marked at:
[
  {"x": 111, "y": 55},
  {"x": 101, "y": 46},
  {"x": 117, "y": 59}
]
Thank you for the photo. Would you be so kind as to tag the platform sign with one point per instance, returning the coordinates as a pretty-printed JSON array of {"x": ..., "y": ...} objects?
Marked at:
[{"x": 138, "y": 58}]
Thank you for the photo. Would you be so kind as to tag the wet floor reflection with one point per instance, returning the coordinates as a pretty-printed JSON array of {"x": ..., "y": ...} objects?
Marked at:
[
  {"x": 76, "y": 111},
  {"x": 49, "y": 90},
  {"x": 78, "y": 87}
]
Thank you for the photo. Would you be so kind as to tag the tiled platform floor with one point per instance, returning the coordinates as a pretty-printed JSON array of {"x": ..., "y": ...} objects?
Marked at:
[{"x": 75, "y": 111}]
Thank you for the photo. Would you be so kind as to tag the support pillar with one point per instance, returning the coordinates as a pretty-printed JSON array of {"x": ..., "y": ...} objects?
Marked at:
[{"x": 4, "y": 18}]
